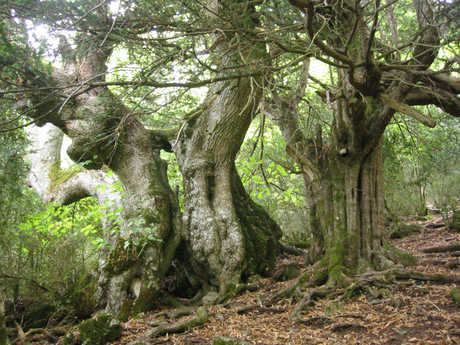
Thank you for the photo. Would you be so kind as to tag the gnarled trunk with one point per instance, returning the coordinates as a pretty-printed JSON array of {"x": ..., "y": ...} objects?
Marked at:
[
  {"x": 228, "y": 234},
  {"x": 150, "y": 232},
  {"x": 103, "y": 132}
]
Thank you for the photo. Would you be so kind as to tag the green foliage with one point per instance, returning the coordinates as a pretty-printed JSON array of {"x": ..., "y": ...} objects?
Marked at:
[
  {"x": 421, "y": 166},
  {"x": 273, "y": 181},
  {"x": 54, "y": 249}
]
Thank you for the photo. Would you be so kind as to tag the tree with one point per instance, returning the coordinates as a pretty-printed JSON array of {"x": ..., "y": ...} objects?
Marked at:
[
  {"x": 229, "y": 236},
  {"x": 378, "y": 74}
]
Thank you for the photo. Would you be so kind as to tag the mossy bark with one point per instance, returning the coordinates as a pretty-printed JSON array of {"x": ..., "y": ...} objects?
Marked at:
[
  {"x": 3, "y": 330},
  {"x": 455, "y": 223},
  {"x": 346, "y": 205}
]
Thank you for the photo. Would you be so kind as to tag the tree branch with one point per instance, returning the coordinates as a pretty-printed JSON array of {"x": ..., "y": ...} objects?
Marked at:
[{"x": 407, "y": 110}]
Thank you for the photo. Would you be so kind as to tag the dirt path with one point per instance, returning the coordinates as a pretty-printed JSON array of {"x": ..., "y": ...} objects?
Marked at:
[{"x": 408, "y": 313}]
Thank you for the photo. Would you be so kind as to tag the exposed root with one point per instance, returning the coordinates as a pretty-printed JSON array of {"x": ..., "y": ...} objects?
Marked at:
[
  {"x": 199, "y": 318},
  {"x": 452, "y": 263},
  {"x": 39, "y": 334},
  {"x": 315, "y": 276},
  {"x": 308, "y": 299},
  {"x": 442, "y": 249},
  {"x": 374, "y": 283},
  {"x": 176, "y": 313},
  {"x": 415, "y": 275},
  {"x": 292, "y": 250},
  {"x": 318, "y": 321},
  {"x": 236, "y": 290},
  {"x": 346, "y": 326}
]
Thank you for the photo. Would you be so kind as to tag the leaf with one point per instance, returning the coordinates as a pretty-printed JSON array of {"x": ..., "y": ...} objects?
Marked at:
[{"x": 282, "y": 170}]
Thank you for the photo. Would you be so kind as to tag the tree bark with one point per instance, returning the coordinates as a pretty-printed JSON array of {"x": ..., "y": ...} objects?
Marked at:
[
  {"x": 103, "y": 132},
  {"x": 229, "y": 236},
  {"x": 3, "y": 330}
]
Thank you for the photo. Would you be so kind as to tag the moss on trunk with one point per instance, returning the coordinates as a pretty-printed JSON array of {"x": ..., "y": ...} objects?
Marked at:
[
  {"x": 347, "y": 209},
  {"x": 3, "y": 330}
]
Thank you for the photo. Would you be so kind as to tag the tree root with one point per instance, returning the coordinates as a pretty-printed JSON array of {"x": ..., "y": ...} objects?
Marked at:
[
  {"x": 39, "y": 334},
  {"x": 345, "y": 326},
  {"x": 176, "y": 313},
  {"x": 442, "y": 262},
  {"x": 315, "y": 276},
  {"x": 200, "y": 317},
  {"x": 370, "y": 282},
  {"x": 237, "y": 290},
  {"x": 292, "y": 250},
  {"x": 442, "y": 249},
  {"x": 308, "y": 299},
  {"x": 433, "y": 277}
]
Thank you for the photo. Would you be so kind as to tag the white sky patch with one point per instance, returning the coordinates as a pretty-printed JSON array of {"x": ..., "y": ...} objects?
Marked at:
[{"x": 319, "y": 69}]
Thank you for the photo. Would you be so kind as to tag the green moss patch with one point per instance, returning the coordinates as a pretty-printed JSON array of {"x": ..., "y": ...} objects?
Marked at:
[
  {"x": 404, "y": 230},
  {"x": 399, "y": 256},
  {"x": 59, "y": 176},
  {"x": 455, "y": 223},
  {"x": 455, "y": 294},
  {"x": 99, "y": 330}
]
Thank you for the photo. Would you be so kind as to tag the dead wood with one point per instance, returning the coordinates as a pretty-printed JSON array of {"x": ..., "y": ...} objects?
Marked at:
[
  {"x": 200, "y": 317},
  {"x": 442, "y": 249}
]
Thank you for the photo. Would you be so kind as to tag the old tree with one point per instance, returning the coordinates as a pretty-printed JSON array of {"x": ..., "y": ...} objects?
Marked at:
[{"x": 119, "y": 65}]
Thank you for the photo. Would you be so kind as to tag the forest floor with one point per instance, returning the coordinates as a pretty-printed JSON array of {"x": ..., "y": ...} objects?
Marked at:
[{"x": 410, "y": 312}]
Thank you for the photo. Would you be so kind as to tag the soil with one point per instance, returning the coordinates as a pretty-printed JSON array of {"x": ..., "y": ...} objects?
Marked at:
[{"x": 410, "y": 312}]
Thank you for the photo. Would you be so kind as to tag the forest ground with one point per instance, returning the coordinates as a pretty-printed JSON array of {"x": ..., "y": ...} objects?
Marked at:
[{"x": 410, "y": 312}]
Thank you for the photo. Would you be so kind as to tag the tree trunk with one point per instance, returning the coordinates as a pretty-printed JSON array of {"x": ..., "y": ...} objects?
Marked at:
[
  {"x": 3, "y": 331},
  {"x": 347, "y": 209},
  {"x": 229, "y": 236},
  {"x": 344, "y": 184},
  {"x": 133, "y": 274},
  {"x": 103, "y": 132}
]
